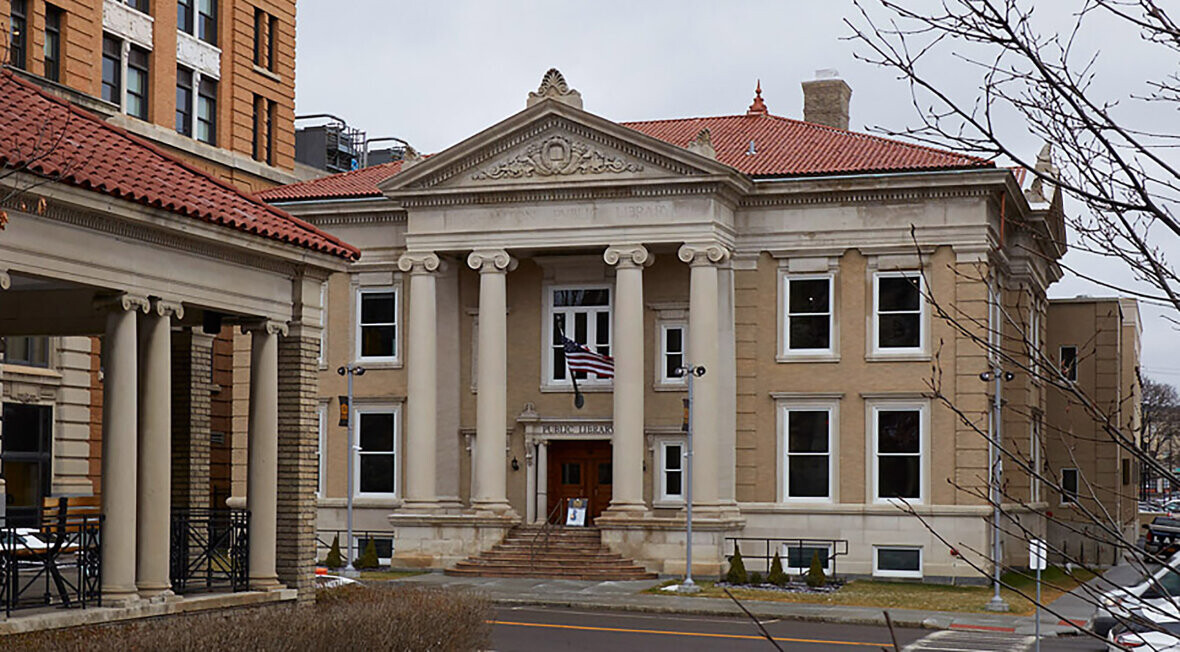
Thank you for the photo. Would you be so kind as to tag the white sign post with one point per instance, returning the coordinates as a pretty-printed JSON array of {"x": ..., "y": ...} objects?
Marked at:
[{"x": 1038, "y": 557}]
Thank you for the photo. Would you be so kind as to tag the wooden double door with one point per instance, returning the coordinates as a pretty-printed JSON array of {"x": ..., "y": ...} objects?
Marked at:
[{"x": 579, "y": 469}]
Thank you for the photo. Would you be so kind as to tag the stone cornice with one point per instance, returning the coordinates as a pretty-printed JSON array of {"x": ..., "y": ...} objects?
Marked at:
[
  {"x": 791, "y": 197},
  {"x": 549, "y": 192}
]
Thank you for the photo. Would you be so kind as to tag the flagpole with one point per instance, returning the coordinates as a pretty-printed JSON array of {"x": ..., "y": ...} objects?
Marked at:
[{"x": 579, "y": 400}]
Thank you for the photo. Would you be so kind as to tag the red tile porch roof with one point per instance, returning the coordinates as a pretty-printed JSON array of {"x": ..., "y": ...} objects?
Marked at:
[{"x": 49, "y": 137}]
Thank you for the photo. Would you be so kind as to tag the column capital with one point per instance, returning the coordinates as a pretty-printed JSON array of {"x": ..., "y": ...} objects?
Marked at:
[
  {"x": 5, "y": 280},
  {"x": 421, "y": 262},
  {"x": 268, "y": 326},
  {"x": 166, "y": 308},
  {"x": 124, "y": 301},
  {"x": 704, "y": 253},
  {"x": 628, "y": 256},
  {"x": 491, "y": 260}
]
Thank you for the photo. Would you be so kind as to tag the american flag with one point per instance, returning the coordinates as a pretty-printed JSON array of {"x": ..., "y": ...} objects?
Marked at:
[{"x": 580, "y": 358}]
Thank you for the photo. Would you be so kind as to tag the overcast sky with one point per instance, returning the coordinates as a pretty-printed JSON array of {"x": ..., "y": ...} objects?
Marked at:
[{"x": 434, "y": 73}]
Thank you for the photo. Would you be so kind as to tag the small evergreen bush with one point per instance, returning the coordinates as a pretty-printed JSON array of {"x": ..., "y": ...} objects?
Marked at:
[
  {"x": 737, "y": 568},
  {"x": 755, "y": 578},
  {"x": 334, "y": 559},
  {"x": 815, "y": 574},
  {"x": 776, "y": 576},
  {"x": 368, "y": 558}
]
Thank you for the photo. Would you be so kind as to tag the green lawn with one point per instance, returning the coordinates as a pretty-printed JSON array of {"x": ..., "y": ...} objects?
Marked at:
[{"x": 913, "y": 595}]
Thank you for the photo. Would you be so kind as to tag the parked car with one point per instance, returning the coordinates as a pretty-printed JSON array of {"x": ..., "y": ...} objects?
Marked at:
[
  {"x": 1149, "y": 634},
  {"x": 325, "y": 581},
  {"x": 1162, "y": 535},
  {"x": 1157, "y": 598}
]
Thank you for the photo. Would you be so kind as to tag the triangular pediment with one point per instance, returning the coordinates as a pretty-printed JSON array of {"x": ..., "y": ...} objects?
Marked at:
[{"x": 553, "y": 143}]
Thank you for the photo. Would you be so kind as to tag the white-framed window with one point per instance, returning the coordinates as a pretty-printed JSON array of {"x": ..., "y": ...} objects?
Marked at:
[
  {"x": 383, "y": 546},
  {"x": 899, "y": 313},
  {"x": 808, "y": 309},
  {"x": 1069, "y": 486},
  {"x": 582, "y": 313},
  {"x": 1034, "y": 340},
  {"x": 1035, "y": 457},
  {"x": 993, "y": 321},
  {"x": 897, "y": 561},
  {"x": 321, "y": 454},
  {"x": 323, "y": 356},
  {"x": 899, "y": 451},
  {"x": 673, "y": 345},
  {"x": 797, "y": 557},
  {"x": 1068, "y": 359},
  {"x": 376, "y": 324},
  {"x": 671, "y": 468},
  {"x": 807, "y": 453},
  {"x": 377, "y": 431}
]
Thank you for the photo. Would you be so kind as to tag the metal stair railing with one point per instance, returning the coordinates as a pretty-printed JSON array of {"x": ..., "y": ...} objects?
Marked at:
[{"x": 546, "y": 528}]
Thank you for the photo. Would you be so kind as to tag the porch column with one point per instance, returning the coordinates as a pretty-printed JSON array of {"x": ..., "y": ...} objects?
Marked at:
[
  {"x": 704, "y": 339},
  {"x": 422, "y": 357},
  {"x": 542, "y": 481},
  {"x": 489, "y": 492},
  {"x": 119, "y": 450},
  {"x": 155, "y": 449},
  {"x": 627, "y": 446},
  {"x": 262, "y": 464}
]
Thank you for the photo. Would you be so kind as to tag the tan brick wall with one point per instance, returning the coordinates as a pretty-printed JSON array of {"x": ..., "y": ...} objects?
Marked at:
[
  {"x": 298, "y": 398},
  {"x": 192, "y": 359}
]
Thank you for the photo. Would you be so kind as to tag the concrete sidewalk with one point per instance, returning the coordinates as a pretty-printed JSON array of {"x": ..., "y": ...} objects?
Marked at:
[{"x": 629, "y": 596}]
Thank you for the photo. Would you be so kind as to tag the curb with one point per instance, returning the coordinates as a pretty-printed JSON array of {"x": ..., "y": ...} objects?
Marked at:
[{"x": 925, "y": 622}]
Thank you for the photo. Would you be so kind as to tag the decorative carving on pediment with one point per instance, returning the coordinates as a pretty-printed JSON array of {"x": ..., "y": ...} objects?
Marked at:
[
  {"x": 558, "y": 156},
  {"x": 554, "y": 87}
]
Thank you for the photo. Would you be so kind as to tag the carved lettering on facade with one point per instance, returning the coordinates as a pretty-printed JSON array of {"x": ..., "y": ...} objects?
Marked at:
[
  {"x": 577, "y": 429},
  {"x": 558, "y": 156}
]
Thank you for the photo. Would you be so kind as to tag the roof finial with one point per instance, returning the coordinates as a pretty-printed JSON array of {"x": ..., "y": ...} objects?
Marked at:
[
  {"x": 554, "y": 86},
  {"x": 758, "y": 107}
]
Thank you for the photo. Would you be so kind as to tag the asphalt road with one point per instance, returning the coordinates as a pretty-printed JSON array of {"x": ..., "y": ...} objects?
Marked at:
[{"x": 530, "y": 629}]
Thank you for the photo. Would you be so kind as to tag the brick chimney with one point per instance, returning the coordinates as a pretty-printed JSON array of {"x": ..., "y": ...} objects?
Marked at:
[{"x": 825, "y": 99}]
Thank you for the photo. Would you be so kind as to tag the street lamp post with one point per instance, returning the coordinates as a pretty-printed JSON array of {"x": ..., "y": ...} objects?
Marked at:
[
  {"x": 351, "y": 369},
  {"x": 995, "y": 473},
  {"x": 689, "y": 371}
]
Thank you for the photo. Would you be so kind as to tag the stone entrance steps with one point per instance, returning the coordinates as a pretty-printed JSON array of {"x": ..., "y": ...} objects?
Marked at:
[{"x": 569, "y": 553}]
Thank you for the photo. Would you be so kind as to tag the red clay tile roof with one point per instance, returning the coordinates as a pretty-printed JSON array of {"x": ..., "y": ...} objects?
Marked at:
[
  {"x": 346, "y": 185},
  {"x": 788, "y": 148},
  {"x": 782, "y": 147},
  {"x": 51, "y": 138}
]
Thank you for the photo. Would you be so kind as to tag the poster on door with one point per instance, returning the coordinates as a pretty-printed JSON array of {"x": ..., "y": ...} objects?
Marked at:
[{"x": 575, "y": 513}]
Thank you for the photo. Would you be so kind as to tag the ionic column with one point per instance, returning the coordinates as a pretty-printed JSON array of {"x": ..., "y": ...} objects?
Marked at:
[
  {"x": 119, "y": 450},
  {"x": 704, "y": 340},
  {"x": 627, "y": 348},
  {"x": 154, "y": 505},
  {"x": 489, "y": 492},
  {"x": 262, "y": 464},
  {"x": 542, "y": 481},
  {"x": 422, "y": 357},
  {"x": 530, "y": 479}
]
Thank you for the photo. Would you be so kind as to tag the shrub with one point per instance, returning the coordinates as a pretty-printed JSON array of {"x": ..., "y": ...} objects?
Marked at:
[
  {"x": 776, "y": 576},
  {"x": 355, "y": 617},
  {"x": 368, "y": 558},
  {"x": 737, "y": 568},
  {"x": 756, "y": 578},
  {"x": 815, "y": 574},
  {"x": 334, "y": 559}
]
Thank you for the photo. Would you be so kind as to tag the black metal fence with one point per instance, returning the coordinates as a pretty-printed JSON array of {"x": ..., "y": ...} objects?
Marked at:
[
  {"x": 58, "y": 564},
  {"x": 795, "y": 554},
  {"x": 210, "y": 550},
  {"x": 383, "y": 541}
]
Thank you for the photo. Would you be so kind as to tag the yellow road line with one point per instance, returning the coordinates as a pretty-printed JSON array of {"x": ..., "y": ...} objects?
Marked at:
[{"x": 674, "y": 633}]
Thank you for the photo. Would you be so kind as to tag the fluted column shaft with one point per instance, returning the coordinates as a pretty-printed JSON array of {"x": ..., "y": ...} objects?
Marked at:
[
  {"x": 154, "y": 505},
  {"x": 422, "y": 358},
  {"x": 119, "y": 446},
  {"x": 491, "y": 420},
  {"x": 262, "y": 465},
  {"x": 704, "y": 339},
  {"x": 627, "y": 345}
]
